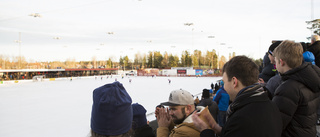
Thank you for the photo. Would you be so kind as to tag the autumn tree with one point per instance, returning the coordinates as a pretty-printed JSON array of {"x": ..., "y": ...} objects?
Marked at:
[
  {"x": 71, "y": 63},
  {"x": 121, "y": 61},
  {"x": 173, "y": 61},
  {"x": 125, "y": 61},
  {"x": 5, "y": 62},
  {"x": 196, "y": 58},
  {"x": 150, "y": 60},
  {"x": 211, "y": 59},
  {"x": 222, "y": 61},
  {"x": 109, "y": 63},
  {"x": 144, "y": 61},
  {"x": 139, "y": 60},
  {"x": 157, "y": 59},
  {"x": 186, "y": 60},
  {"x": 56, "y": 64},
  {"x": 94, "y": 61},
  {"x": 165, "y": 60}
]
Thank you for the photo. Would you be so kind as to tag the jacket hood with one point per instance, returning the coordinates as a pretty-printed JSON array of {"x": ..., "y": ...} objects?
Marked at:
[
  {"x": 188, "y": 121},
  {"x": 308, "y": 57},
  {"x": 189, "y": 118},
  {"x": 307, "y": 74}
]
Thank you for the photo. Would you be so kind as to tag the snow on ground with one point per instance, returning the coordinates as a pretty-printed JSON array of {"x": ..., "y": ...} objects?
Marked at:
[{"x": 63, "y": 108}]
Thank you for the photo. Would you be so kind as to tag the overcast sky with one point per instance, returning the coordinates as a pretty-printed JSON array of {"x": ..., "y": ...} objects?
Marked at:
[{"x": 246, "y": 27}]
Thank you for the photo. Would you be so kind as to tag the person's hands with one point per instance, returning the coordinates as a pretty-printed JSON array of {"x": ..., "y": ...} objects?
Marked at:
[
  {"x": 156, "y": 112},
  {"x": 201, "y": 125},
  {"x": 260, "y": 80},
  {"x": 163, "y": 117},
  {"x": 204, "y": 120}
]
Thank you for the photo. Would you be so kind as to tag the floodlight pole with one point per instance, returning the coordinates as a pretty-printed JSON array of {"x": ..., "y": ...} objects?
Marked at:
[
  {"x": 20, "y": 49},
  {"x": 19, "y": 41},
  {"x": 191, "y": 24}
]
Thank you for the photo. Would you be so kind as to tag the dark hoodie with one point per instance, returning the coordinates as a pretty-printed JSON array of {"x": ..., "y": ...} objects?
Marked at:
[{"x": 297, "y": 99}]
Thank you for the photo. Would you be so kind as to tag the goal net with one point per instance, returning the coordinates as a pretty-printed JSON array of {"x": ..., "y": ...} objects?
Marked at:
[{"x": 38, "y": 78}]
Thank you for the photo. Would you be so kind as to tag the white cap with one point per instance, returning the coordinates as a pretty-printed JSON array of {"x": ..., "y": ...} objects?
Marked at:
[{"x": 179, "y": 97}]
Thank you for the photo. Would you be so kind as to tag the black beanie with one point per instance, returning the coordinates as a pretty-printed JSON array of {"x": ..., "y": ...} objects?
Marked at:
[
  {"x": 205, "y": 93},
  {"x": 273, "y": 46}
]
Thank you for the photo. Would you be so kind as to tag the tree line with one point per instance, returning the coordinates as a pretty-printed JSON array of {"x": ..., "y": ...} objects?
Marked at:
[{"x": 153, "y": 59}]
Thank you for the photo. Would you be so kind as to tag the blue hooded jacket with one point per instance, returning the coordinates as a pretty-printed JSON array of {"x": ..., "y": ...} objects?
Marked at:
[
  {"x": 308, "y": 57},
  {"x": 222, "y": 98}
]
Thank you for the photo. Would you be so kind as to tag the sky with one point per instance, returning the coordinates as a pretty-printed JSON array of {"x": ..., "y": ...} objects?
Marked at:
[{"x": 113, "y": 28}]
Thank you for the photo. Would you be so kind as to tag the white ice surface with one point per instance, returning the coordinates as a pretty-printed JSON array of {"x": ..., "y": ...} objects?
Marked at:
[{"x": 63, "y": 108}]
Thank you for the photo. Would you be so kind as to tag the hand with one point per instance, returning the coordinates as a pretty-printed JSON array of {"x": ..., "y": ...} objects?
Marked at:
[
  {"x": 204, "y": 120},
  {"x": 156, "y": 112},
  {"x": 201, "y": 125},
  {"x": 163, "y": 117},
  {"x": 260, "y": 80}
]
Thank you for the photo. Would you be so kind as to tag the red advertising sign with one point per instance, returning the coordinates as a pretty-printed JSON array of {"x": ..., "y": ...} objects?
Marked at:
[{"x": 182, "y": 71}]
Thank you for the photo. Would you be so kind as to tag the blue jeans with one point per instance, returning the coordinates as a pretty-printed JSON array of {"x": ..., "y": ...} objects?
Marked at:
[{"x": 222, "y": 117}]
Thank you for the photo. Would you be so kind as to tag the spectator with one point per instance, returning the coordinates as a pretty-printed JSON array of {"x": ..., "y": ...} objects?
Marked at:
[
  {"x": 297, "y": 97},
  {"x": 310, "y": 57},
  {"x": 207, "y": 101},
  {"x": 307, "y": 55},
  {"x": 216, "y": 88},
  {"x": 196, "y": 101},
  {"x": 139, "y": 123},
  {"x": 274, "y": 81},
  {"x": 251, "y": 114},
  {"x": 211, "y": 90},
  {"x": 154, "y": 124},
  {"x": 111, "y": 111},
  {"x": 222, "y": 98},
  {"x": 267, "y": 70},
  {"x": 315, "y": 48},
  {"x": 181, "y": 106}
]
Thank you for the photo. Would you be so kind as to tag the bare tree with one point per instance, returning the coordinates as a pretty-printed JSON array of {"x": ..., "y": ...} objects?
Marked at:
[
  {"x": 94, "y": 61},
  {"x": 71, "y": 63},
  {"x": 315, "y": 26}
]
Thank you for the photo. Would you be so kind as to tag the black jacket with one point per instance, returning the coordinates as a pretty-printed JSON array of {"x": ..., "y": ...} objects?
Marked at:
[
  {"x": 212, "y": 106},
  {"x": 297, "y": 99},
  {"x": 252, "y": 114},
  {"x": 268, "y": 69},
  {"x": 145, "y": 131},
  {"x": 315, "y": 49},
  {"x": 273, "y": 84}
]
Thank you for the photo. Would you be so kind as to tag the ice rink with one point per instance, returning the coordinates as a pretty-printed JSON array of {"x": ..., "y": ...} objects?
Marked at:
[{"x": 62, "y": 108}]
